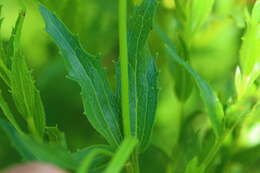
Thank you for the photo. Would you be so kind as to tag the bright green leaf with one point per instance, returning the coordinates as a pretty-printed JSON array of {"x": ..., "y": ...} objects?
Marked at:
[
  {"x": 26, "y": 97},
  {"x": 249, "y": 54}
]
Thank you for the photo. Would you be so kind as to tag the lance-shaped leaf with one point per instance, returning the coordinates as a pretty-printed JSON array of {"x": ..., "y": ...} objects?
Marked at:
[
  {"x": 12, "y": 46},
  {"x": 31, "y": 150},
  {"x": 99, "y": 101},
  {"x": 26, "y": 97},
  {"x": 142, "y": 73},
  {"x": 16, "y": 75},
  {"x": 213, "y": 106}
]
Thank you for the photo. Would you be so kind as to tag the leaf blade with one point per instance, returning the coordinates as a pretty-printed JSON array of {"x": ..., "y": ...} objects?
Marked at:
[
  {"x": 211, "y": 102},
  {"x": 99, "y": 102}
]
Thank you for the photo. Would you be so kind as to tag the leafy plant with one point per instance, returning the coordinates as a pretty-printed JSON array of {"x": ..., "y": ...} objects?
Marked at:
[
  {"x": 101, "y": 103},
  {"x": 211, "y": 124}
]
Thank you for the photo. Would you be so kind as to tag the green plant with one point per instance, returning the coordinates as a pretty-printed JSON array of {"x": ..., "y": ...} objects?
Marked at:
[
  {"x": 209, "y": 122},
  {"x": 101, "y": 103},
  {"x": 245, "y": 101}
]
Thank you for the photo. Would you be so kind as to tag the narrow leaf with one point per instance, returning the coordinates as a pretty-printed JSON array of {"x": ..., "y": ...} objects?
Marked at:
[
  {"x": 99, "y": 101},
  {"x": 13, "y": 44},
  {"x": 26, "y": 96},
  {"x": 213, "y": 106},
  {"x": 142, "y": 72}
]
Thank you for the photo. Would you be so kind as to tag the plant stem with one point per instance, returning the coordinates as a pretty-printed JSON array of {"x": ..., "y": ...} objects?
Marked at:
[
  {"x": 133, "y": 166},
  {"x": 134, "y": 161},
  {"x": 124, "y": 66},
  {"x": 33, "y": 130},
  {"x": 210, "y": 157}
]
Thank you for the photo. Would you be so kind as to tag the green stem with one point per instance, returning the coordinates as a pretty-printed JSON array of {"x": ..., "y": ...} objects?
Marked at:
[
  {"x": 134, "y": 161},
  {"x": 124, "y": 66},
  {"x": 33, "y": 130},
  {"x": 210, "y": 157}
]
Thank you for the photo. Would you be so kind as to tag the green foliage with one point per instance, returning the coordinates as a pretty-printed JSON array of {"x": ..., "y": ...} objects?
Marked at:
[
  {"x": 17, "y": 77},
  {"x": 86, "y": 70},
  {"x": 142, "y": 73},
  {"x": 98, "y": 99},
  {"x": 31, "y": 150},
  {"x": 212, "y": 103},
  {"x": 122, "y": 155},
  {"x": 208, "y": 123}
]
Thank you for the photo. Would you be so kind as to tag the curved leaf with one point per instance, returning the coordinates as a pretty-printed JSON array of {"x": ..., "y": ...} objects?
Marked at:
[{"x": 213, "y": 106}]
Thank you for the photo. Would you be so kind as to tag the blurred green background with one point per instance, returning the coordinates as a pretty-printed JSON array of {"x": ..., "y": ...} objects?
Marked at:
[{"x": 214, "y": 54}]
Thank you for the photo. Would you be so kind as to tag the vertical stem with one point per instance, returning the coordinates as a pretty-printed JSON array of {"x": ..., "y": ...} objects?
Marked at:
[
  {"x": 124, "y": 66},
  {"x": 134, "y": 161}
]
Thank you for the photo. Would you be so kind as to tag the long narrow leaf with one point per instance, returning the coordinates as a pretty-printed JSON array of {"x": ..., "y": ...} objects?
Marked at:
[
  {"x": 142, "y": 72},
  {"x": 99, "y": 102},
  {"x": 213, "y": 106}
]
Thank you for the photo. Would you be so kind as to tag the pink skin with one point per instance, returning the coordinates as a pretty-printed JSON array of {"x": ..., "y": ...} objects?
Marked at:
[{"x": 34, "y": 168}]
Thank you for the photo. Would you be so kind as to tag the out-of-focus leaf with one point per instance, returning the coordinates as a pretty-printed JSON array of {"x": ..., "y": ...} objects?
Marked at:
[
  {"x": 31, "y": 150},
  {"x": 249, "y": 54},
  {"x": 122, "y": 155},
  {"x": 142, "y": 73},
  {"x": 213, "y": 106},
  {"x": 4, "y": 72},
  {"x": 193, "y": 167},
  {"x": 7, "y": 112},
  {"x": 187, "y": 148},
  {"x": 237, "y": 112},
  {"x": 99, "y": 102},
  {"x": 26, "y": 97},
  {"x": 248, "y": 156},
  {"x": 200, "y": 11},
  {"x": 183, "y": 81}
]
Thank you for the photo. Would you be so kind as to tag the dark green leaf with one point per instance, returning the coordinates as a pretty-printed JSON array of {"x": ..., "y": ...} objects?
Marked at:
[
  {"x": 142, "y": 72},
  {"x": 99, "y": 101},
  {"x": 7, "y": 112}
]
